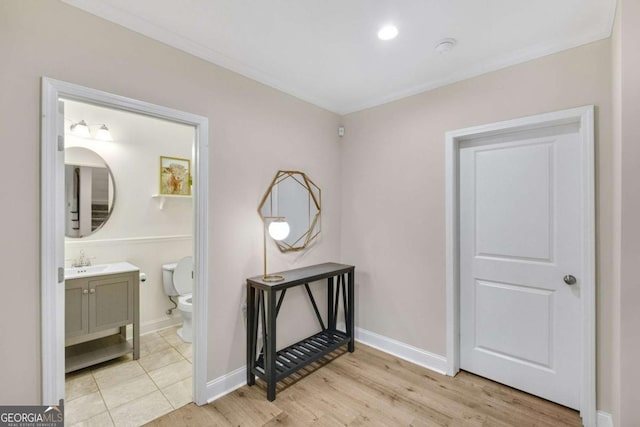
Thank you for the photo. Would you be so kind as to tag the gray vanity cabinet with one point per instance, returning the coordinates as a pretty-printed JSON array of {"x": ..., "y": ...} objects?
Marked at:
[
  {"x": 110, "y": 302},
  {"x": 97, "y": 311},
  {"x": 76, "y": 310}
]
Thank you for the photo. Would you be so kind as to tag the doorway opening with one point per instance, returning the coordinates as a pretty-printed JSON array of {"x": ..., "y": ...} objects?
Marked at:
[
  {"x": 111, "y": 225},
  {"x": 128, "y": 332}
]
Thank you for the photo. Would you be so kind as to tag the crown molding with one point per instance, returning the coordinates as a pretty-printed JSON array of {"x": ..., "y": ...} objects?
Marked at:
[{"x": 147, "y": 28}]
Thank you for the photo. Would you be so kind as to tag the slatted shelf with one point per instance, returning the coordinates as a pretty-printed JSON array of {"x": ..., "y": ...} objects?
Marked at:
[{"x": 302, "y": 353}]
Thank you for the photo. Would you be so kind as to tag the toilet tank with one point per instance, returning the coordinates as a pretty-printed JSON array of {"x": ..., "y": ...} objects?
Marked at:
[{"x": 167, "y": 279}]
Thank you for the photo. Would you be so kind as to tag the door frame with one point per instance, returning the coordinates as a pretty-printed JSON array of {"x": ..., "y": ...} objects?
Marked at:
[
  {"x": 584, "y": 117},
  {"x": 52, "y": 229}
]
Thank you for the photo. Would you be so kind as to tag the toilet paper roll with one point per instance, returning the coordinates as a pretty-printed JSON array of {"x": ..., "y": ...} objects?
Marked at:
[{"x": 143, "y": 277}]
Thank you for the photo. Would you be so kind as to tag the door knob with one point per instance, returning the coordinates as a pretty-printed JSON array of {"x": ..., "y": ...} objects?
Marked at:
[{"x": 569, "y": 279}]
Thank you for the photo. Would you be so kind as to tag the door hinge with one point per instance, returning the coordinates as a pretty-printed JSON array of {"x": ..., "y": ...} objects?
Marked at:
[
  {"x": 60, "y": 142},
  {"x": 60, "y": 274}
]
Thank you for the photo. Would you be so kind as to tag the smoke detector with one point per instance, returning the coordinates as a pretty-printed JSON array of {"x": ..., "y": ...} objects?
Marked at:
[{"x": 445, "y": 45}]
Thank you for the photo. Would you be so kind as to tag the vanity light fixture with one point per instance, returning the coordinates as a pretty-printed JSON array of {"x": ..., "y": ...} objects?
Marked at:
[
  {"x": 278, "y": 230},
  {"x": 81, "y": 129},
  {"x": 103, "y": 133},
  {"x": 388, "y": 32}
]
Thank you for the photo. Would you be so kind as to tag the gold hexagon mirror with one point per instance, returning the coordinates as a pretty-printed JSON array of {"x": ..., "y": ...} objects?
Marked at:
[{"x": 294, "y": 198}]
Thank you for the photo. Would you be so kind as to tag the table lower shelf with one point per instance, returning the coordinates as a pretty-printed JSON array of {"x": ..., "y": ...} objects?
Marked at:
[
  {"x": 302, "y": 353},
  {"x": 89, "y": 353}
]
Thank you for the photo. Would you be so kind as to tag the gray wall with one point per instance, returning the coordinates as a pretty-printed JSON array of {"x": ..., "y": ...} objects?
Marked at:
[
  {"x": 393, "y": 196},
  {"x": 629, "y": 109},
  {"x": 254, "y": 131},
  {"x": 382, "y": 185}
]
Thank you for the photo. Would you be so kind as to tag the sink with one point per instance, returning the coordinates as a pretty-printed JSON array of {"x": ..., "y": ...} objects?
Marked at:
[
  {"x": 98, "y": 270},
  {"x": 89, "y": 270}
]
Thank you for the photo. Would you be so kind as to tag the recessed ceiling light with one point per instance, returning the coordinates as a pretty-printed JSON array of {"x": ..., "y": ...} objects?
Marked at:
[
  {"x": 388, "y": 32},
  {"x": 445, "y": 45}
]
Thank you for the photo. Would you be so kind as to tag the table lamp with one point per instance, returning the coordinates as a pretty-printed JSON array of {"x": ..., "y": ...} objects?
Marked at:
[{"x": 278, "y": 230}]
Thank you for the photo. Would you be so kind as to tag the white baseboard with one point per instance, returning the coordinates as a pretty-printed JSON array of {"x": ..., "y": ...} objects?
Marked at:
[
  {"x": 226, "y": 384},
  {"x": 237, "y": 378},
  {"x": 430, "y": 361},
  {"x": 420, "y": 357},
  {"x": 604, "y": 419},
  {"x": 156, "y": 325}
]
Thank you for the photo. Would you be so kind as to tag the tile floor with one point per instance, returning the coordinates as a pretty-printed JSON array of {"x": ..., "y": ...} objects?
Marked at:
[{"x": 126, "y": 392}]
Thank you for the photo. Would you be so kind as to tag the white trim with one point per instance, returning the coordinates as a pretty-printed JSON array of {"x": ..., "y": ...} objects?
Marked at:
[
  {"x": 452, "y": 250},
  {"x": 81, "y": 243},
  {"x": 407, "y": 352},
  {"x": 201, "y": 263},
  {"x": 588, "y": 408},
  {"x": 584, "y": 117},
  {"x": 51, "y": 226},
  {"x": 475, "y": 70},
  {"x": 156, "y": 325},
  {"x": 226, "y": 384},
  {"x": 604, "y": 419},
  {"x": 612, "y": 16},
  {"x": 159, "y": 33},
  {"x": 52, "y": 230}
]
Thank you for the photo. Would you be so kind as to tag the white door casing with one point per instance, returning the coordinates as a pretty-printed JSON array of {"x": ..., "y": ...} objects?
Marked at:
[
  {"x": 498, "y": 256},
  {"x": 52, "y": 228},
  {"x": 519, "y": 201}
]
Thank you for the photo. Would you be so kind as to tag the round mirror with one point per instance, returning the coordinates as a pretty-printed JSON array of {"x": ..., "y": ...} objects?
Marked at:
[
  {"x": 89, "y": 192},
  {"x": 294, "y": 198}
]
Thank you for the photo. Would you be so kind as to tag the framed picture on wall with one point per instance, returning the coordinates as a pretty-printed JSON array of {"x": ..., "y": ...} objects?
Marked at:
[{"x": 175, "y": 176}]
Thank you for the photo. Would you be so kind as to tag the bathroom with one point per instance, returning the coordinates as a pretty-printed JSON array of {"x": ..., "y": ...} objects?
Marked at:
[{"x": 145, "y": 227}]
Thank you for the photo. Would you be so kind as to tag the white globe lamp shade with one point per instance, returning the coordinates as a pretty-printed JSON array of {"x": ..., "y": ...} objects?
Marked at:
[{"x": 279, "y": 230}]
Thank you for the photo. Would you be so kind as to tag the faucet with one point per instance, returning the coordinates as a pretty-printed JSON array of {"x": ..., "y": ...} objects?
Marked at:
[{"x": 82, "y": 261}]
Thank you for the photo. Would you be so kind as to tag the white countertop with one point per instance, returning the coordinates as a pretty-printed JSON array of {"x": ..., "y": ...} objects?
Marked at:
[{"x": 99, "y": 270}]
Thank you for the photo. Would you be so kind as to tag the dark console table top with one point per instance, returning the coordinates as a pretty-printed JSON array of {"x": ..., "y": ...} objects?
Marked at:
[{"x": 302, "y": 275}]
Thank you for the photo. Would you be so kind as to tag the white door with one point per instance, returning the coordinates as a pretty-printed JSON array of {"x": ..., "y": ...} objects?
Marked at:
[{"x": 520, "y": 235}]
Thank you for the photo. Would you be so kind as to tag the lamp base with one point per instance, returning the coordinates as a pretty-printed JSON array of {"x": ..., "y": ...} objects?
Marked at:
[{"x": 272, "y": 278}]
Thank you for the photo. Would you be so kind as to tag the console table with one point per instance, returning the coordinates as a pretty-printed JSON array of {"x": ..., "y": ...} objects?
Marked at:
[{"x": 263, "y": 307}]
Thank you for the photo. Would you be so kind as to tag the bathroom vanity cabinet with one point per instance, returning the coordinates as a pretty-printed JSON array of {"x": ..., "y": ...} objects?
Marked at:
[{"x": 97, "y": 312}]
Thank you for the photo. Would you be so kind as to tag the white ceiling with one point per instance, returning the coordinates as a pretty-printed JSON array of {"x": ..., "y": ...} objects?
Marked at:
[{"x": 326, "y": 51}]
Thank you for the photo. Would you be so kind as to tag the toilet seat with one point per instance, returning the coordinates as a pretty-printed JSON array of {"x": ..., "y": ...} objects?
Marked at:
[
  {"x": 185, "y": 303},
  {"x": 183, "y": 276}
]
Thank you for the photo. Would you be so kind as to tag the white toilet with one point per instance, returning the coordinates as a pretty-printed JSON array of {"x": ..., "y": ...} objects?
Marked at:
[{"x": 177, "y": 279}]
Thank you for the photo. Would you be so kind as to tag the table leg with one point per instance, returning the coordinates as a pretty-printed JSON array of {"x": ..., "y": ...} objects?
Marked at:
[
  {"x": 251, "y": 334},
  {"x": 270, "y": 351},
  {"x": 330, "y": 317}
]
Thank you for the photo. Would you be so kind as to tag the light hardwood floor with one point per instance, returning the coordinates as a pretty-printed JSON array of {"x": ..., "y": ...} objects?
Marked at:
[{"x": 369, "y": 387}]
